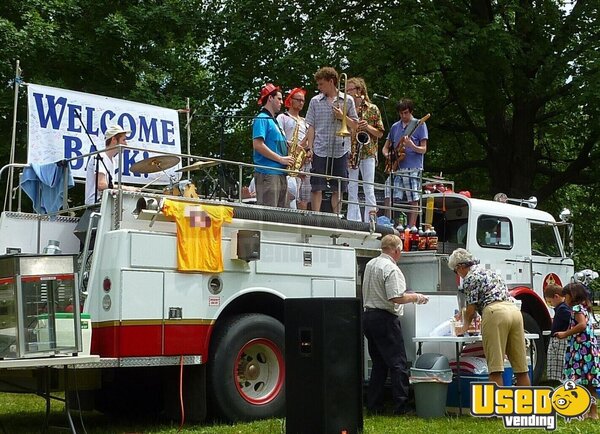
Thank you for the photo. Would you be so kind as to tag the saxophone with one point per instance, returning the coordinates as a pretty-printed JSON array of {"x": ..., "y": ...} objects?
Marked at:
[
  {"x": 296, "y": 151},
  {"x": 359, "y": 139}
]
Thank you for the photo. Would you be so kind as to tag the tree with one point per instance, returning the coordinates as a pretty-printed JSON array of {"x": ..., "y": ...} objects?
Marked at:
[
  {"x": 509, "y": 79},
  {"x": 144, "y": 50}
]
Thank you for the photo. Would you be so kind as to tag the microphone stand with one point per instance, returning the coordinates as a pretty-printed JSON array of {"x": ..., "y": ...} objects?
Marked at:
[
  {"x": 98, "y": 158},
  {"x": 392, "y": 176}
]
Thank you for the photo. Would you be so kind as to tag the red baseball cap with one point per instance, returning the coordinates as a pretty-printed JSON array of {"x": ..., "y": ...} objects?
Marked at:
[
  {"x": 294, "y": 91},
  {"x": 266, "y": 90}
]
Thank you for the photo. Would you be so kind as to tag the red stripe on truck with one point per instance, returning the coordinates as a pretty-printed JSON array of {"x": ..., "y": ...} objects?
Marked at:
[{"x": 143, "y": 340}]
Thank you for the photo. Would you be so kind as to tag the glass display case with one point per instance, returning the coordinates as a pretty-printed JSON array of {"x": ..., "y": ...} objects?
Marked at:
[{"x": 39, "y": 306}]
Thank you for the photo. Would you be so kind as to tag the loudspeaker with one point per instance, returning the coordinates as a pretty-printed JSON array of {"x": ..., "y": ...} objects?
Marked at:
[
  {"x": 323, "y": 356},
  {"x": 247, "y": 246}
]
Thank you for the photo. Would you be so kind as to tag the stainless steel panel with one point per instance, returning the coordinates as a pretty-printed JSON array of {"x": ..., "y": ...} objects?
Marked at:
[
  {"x": 47, "y": 264},
  {"x": 427, "y": 272},
  {"x": 36, "y": 265}
]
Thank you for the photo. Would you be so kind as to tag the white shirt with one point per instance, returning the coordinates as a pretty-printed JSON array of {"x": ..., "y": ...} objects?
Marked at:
[
  {"x": 383, "y": 281},
  {"x": 288, "y": 125},
  {"x": 90, "y": 177}
]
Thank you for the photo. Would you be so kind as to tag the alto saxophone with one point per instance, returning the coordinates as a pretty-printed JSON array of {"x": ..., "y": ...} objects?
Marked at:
[
  {"x": 296, "y": 151},
  {"x": 359, "y": 139}
]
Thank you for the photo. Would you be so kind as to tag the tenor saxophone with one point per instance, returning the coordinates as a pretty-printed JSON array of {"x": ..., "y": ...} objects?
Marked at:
[
  {"x": 359, "y": 139},
  {"x": 296, "y": 151}
]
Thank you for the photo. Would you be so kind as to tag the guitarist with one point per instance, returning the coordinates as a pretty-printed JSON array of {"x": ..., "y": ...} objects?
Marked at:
[{"x": 410, "y": 166}]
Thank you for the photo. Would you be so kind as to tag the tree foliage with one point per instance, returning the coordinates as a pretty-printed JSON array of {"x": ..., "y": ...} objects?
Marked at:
[
  {"x": 142, "y": 50},
  {"x": 512, "y": 86}
]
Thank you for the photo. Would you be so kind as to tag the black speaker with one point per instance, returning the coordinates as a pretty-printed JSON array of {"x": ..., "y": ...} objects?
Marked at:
[
  {"x": 323, "y": 357},
  {"x": 248, "y": 245}
]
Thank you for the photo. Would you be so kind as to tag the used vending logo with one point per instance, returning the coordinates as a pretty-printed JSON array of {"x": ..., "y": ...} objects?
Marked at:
[{"x": 530, "y": 407}]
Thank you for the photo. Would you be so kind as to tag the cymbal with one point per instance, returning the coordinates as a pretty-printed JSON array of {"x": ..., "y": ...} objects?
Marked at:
[
  {"x": 155, "y": 164},
  {"x": 198, "y": 166}
]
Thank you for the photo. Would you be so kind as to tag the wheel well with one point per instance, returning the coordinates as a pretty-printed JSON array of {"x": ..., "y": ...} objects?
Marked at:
[
  {"x": 534, "y": 306},
  {"x": 256, "y": 302}
]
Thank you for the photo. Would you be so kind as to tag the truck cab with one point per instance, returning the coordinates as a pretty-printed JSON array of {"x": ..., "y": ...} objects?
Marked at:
[{"x": 523, "y": 244}]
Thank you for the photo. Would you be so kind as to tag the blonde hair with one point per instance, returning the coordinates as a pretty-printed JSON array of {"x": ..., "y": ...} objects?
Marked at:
[
  {"x": 359, "y": 83},
  {"x": 390, "y": 242}
]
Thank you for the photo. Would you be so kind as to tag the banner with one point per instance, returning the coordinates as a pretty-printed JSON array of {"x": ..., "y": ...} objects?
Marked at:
[{"x": 55, "y": 131}]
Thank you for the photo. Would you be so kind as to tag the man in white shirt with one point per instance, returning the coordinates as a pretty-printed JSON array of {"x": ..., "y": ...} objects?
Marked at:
[
  {"x": 100, "y": 169},
  {"x": 384, "y": 294}
]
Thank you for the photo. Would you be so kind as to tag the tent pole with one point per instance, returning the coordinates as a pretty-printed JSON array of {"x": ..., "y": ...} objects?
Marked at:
[{"x": 9, "y": 184}]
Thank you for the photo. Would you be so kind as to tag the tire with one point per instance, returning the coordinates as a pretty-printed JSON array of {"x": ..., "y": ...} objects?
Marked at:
[
  {"x": 247, "y": 368},
  {"x": 538, "y": 347}
]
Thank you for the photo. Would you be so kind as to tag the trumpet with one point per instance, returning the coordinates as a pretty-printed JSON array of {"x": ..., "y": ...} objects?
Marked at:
[{"x": 343, "y": 131}]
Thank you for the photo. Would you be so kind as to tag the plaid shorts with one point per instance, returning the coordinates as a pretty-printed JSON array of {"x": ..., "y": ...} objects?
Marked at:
[
  {"x": 555, "y": 367},
  {"x": 409, "y": 183}
]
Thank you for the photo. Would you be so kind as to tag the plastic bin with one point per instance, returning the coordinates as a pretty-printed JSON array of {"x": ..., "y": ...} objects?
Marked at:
[
  {"x": 430, "y": 378},
  {"x": 508, "y": 377},
  {"x": 465, "y": 389},
  {"x": 467, "y": 378}
]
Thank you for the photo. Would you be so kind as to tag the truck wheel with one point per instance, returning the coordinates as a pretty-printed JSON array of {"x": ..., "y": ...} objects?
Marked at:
[
  {"x": 538, "y": 347},
  {"x": 247, "y": 369}
]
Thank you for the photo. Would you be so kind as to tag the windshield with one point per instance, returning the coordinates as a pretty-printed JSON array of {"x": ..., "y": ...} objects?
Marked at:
[{"x": 544, "y": 241}]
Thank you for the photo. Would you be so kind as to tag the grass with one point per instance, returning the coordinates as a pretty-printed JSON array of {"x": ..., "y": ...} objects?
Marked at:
[{"x": 25, "y": 414}]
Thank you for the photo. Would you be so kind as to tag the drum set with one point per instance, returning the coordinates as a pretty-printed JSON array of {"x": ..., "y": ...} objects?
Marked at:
[{"x": 183, "y": 188}]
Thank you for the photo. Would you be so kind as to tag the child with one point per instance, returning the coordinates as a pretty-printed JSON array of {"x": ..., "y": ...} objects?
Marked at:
[
  {"x": 582, "y": 363},
  {"x": 557, "y": 348}
]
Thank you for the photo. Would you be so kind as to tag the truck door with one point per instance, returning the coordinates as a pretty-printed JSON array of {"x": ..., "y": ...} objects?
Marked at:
[{"x": 548, "y": 262}]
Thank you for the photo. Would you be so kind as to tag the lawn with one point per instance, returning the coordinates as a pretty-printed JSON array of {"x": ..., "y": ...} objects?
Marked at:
[{"x": 25, "y": 414}]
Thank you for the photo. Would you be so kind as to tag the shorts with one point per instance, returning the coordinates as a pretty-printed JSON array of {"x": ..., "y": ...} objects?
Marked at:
[
  {"x": 502, "y": 333},
  {"x": 336, "y": 167},
  {"x": 271, "y": 190},
  {"x": 409, "y": 183},
  {"x": 555, "y": 365}
]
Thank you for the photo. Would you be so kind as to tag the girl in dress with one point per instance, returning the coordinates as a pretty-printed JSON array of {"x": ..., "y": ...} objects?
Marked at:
[{"x": 582, "y": 363}]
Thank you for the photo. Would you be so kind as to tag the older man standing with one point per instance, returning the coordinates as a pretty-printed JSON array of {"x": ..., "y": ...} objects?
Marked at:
[
  {"x": 384, "y": 294},
  {"x": 270, "y": 150}
]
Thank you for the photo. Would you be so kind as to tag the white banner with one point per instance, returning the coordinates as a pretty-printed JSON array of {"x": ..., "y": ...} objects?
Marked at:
[{"x": 56, "y": 131}]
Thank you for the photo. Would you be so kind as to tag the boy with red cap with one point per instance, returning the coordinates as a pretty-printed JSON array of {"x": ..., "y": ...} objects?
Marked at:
[
  {"x": 288, "y": 122},
  {"x": 270, "y": 150}
]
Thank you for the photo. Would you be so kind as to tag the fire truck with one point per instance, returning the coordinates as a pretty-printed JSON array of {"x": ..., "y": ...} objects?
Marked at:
[{"x": 218, "y": 337}]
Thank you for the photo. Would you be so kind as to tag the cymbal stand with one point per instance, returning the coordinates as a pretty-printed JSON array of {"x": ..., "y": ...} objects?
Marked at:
[{"x": 171, "y": 178}]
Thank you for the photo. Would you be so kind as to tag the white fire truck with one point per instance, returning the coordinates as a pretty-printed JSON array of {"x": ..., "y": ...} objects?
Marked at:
[{"x": 222, "y": 334}]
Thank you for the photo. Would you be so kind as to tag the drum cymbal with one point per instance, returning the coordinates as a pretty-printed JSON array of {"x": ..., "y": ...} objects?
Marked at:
[
  {"x": 155, "y": 164},
  {"x": 197, "y": 166}
]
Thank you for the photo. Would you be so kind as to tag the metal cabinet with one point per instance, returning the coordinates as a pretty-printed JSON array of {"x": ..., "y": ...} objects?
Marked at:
[{"x": 39, "y": 306}]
